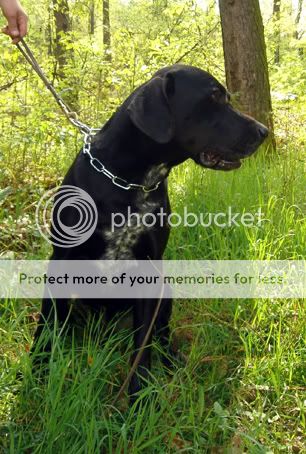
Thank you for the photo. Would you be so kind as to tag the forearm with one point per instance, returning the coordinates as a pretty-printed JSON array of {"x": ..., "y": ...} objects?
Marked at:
[{"x": 9, "y": 4}]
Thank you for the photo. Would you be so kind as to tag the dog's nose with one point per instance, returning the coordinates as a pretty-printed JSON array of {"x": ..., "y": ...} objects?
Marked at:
[{"x": 263, "y": 131}]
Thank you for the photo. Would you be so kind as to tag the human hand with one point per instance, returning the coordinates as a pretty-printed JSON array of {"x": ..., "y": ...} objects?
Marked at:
[{"x": 17, "y": 26}]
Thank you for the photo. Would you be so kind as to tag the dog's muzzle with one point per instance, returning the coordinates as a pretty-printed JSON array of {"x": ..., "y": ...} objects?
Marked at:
[{"x": 216, "y": 162}]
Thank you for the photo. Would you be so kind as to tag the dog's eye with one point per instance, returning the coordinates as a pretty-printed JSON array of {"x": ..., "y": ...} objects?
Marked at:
[{"x": 218, "y": 96}]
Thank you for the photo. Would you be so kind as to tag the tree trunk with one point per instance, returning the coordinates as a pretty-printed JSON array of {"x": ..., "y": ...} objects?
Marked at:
[
  {"x": 64, "y": 53},
  {"x": 106, "y": 31},
  {"x": 92, "y": 17},
  {"x": 62, "y": 28},
  {"x": 276, "y": 19},
  {"x": 298, "y": 35},
  {"x": 245, "y": 58},
  {"x": 299, "y": 12},
  {"x": 49, "y": 32}
]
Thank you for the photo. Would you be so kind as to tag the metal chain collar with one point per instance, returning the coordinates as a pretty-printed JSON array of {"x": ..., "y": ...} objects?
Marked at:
[
  {"x": 87, "y": 132},
  {"x": 99, "y": 167}
]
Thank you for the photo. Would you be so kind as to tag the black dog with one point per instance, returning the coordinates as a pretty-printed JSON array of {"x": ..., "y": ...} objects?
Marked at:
[{"x": 181, "y": 113}]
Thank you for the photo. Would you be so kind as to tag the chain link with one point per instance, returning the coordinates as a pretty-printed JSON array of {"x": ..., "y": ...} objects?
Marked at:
[{"x": 99, "y": 167}]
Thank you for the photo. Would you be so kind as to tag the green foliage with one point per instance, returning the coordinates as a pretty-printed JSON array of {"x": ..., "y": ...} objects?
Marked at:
[{"x": 243, "y": 388}]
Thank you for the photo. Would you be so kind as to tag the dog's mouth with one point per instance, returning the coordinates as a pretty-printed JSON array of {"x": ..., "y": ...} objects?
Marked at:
[{"x": 216, "y": 162}]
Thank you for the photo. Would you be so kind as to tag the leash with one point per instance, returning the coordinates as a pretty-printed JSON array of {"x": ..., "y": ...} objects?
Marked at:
[
  {"x": 87, "y": 131},
  {"x": 141, "y": 349},
  {"x": 69, "y": 113}
]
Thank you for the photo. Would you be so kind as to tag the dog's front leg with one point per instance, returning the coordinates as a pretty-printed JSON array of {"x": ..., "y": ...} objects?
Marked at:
[
  {"x": 143, "y": 312},
  {"x": 54, "y": 311},
  {"x": 163, "y": 329}
]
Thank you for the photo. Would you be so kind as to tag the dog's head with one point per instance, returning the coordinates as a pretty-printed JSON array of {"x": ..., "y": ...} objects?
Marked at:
[{"x": 188, "y": 106}]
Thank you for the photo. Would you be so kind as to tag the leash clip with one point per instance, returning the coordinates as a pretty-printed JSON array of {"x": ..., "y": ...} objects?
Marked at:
[{"x": 145, "y": 189}]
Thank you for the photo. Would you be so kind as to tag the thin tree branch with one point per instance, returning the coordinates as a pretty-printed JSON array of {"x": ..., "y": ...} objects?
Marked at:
[{"x": 9, "y": 84}]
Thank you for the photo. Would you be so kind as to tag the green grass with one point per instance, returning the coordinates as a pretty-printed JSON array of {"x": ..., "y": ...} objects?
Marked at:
[{"x": 243, "y": 387}]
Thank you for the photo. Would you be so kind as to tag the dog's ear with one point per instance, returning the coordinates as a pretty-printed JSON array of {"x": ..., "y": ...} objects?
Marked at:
[{"x": 149, "y": 109}]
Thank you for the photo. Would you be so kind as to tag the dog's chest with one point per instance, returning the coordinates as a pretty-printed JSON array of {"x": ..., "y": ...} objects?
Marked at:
[{"x": 121, "y": 241}]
